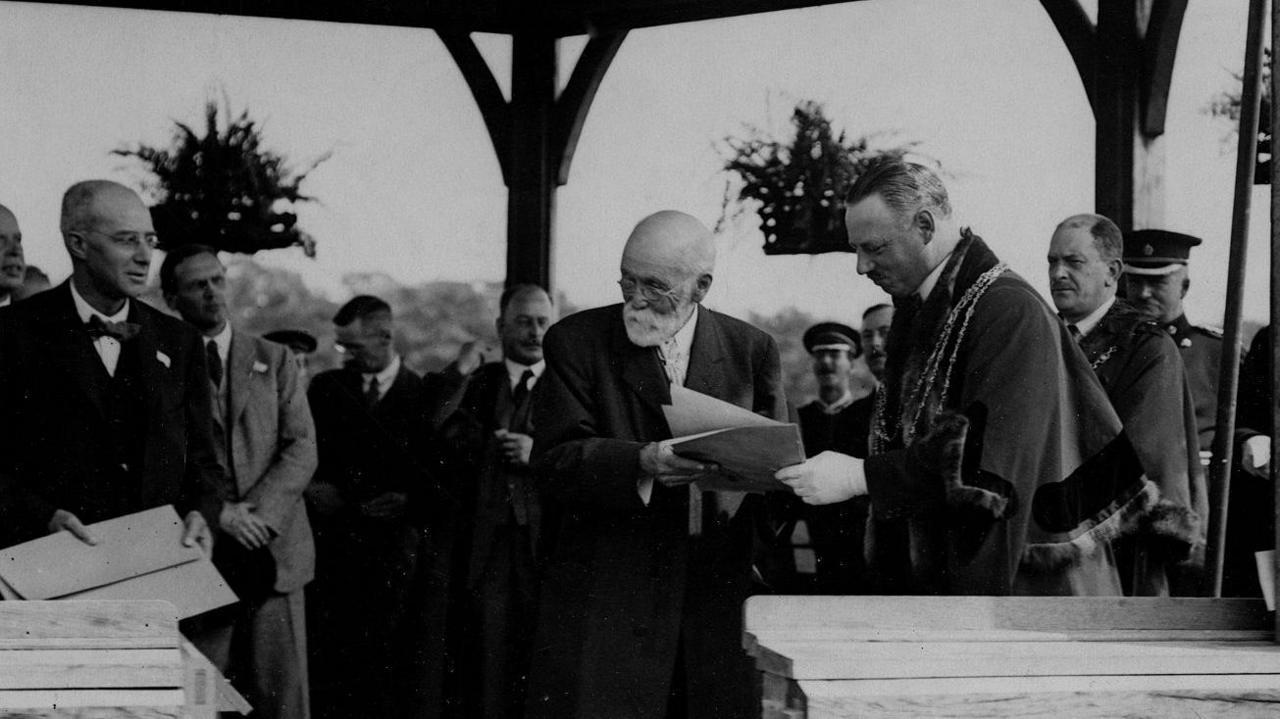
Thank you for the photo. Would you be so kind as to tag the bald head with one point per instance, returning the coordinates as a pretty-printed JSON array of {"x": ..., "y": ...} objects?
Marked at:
[
  {"x": 672, "y": 239},
  {"x": 666, "y": 271},
  {"x": 13, "y": 264},
  {"x": 109, "y": 235}
]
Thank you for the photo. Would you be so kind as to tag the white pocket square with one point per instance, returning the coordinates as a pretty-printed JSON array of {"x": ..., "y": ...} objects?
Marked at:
[
  {"x": 163, "y": 358},
  {"x": 260, "y": 367}
]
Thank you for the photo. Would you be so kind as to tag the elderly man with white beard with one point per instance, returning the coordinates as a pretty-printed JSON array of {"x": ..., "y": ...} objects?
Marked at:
[{"x": 641, "y": 607}]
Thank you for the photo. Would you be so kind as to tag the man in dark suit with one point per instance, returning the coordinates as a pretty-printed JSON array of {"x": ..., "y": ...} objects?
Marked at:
[
  {"x": 104, "y": 408},
  {"x": 487, "y": 440},
  {"x": 369, "y": 502},
  {"x": 265, "y": 438},
  {"x": 13, "y": 266},
  {"x": 640, "y": 612}
]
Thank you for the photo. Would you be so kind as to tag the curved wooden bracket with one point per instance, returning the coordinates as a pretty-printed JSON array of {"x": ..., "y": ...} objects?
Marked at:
[
  {"x": 575, "y": 101},
  {"x": 1159, "y": 48},
  {"x": 1081, "y": 38},
  {"x": 484, "y": 88}
]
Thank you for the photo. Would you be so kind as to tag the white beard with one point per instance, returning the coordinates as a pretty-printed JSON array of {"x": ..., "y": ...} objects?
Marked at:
[{"x": 646, "y": 328}]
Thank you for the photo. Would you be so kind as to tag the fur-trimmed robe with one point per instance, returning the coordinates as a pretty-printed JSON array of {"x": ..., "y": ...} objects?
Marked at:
[
  {"x": 1013, "y": 474},
  {"x": 1139, "y": 367}
]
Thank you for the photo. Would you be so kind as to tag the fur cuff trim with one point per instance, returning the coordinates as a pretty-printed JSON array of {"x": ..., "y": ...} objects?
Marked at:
[
  {"x": 942, "y": 453},
  {"x": 1117, "y": 522},
  {"x": 1172, "y": 521}
]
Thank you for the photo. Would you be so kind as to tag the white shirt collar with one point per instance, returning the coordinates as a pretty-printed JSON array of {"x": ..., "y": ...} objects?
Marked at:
[
  {"x": 682, "y": 340},
  {"x": 838, "y": 406},
  {"x": 515, "y": 371},
  {"x": 222, "y": 341},
  {"x": 85, "y": 310},
  {"x": 386, "y": 376},
  {"x": 931, "y": 279},
  {"x": 1087, "y": 324},
  {"x": 8, "y": 300}
]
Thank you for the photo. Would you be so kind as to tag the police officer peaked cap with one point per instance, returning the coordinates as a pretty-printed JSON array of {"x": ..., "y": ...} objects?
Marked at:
[
  {"x": 832, "y": 336},
  {"x": 1156, "y": 252}
]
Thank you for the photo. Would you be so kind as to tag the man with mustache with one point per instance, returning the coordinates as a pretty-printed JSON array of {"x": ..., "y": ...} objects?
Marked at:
[
  {"x": 105, "y": 402},
  {"x": 486, "y": 440},
  {"x": 835, "y": 420},
  {"x": 1139, "y": 367},
  {"x": 1156, "y": 282},
  {"x": 266, "y": 440},
  {"x": 875, "y": 337},
  {"x": 641, "y": 607},
  {"x": 13, "y": 265},
  {"x": 995, "y": 456}
]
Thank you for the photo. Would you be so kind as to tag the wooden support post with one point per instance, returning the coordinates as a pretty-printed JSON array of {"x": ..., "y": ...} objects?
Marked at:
[
  {"x": 1115, "y": 110},
  {"x": 535, "y": 134},
  {"x": 531, "y": 183},
  {"x": 1275, "y": 297},
  {"x": 1229, "y": 369}
]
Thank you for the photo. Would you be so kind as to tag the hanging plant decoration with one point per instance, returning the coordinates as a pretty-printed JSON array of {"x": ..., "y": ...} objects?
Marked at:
[{"x": 797, "y": 186}]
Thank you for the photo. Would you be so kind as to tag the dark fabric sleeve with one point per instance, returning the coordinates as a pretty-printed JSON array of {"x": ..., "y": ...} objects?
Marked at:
[
  {"x": 576, "y": 464},
  {"x": 770, "y": 398},
  {"x": 24, "y": 514},
  {"x": 1253, "y": 411}
]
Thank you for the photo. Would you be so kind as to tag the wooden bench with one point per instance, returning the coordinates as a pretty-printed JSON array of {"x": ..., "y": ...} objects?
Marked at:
[
  {"x": 822, "y": 657},
  {"x": 102, "y": 659}
]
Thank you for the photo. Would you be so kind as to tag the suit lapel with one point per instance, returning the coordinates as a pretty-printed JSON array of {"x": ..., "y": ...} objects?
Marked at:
[
  {"x": 151, "y": 370},
  {"x": 69, "y": 345},
  {"x": 239, "y": 373},
  {"x": 705, "y": 374}
]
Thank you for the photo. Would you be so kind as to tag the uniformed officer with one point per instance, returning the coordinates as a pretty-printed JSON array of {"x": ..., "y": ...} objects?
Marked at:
[{"x": 1155, "y": 271}]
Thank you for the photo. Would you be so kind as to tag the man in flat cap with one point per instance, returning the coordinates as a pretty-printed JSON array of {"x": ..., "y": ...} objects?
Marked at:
[
  {"x": 835, "y": 420},
  {"x": 1155, "y": 271}
]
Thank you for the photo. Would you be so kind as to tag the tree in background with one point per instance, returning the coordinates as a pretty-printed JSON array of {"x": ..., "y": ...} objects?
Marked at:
[
  {"x": 797, "y": 185},
  {"x": 1227, "y": 105},
  {"x": 223, "y": 188}
]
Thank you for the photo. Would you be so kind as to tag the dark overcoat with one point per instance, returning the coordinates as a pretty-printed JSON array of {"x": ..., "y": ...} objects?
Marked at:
[{"x": 629, "y": 600}]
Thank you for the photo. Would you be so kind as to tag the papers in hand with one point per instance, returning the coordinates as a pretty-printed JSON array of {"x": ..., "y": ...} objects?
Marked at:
[
  {"x": 138, "y": 556},
  {"x": 748, "y": 447}
]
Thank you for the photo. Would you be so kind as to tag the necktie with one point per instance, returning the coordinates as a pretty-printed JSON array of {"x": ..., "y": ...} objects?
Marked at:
[
  {"x": 120, "y": 331},
  {"x": 214, "y": 361},
  {"x": 371, "y": 395},
  {"x": 1074, "y": 331},
  {"x": 521, "y": 391},
  {"x": 671, "y": 360}
]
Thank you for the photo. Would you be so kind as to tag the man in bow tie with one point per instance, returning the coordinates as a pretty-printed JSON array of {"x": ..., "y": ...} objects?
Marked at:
[
  {"x": 266, "y": 440},
  {"x": 641, "y": 606},
  {"x": 105, "y": 404}
]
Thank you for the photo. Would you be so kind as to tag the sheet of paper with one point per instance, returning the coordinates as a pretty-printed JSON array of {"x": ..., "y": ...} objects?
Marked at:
[
  {"x": 692, "y": 412},
  {"x": 128, "y": 546},
  {"x": 748, "y": 456},
  {"x": 193, "y": 587}
]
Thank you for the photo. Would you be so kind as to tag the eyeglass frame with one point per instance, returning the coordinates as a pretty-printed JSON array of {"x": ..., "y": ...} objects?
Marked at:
[
  {"x": 648, "y": 291},
  {"x": 151, "y": 239}
]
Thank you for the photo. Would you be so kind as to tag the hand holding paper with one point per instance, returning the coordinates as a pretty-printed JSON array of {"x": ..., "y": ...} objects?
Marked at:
[
  {"x": 64, "y": 520},
  {"x": 658, "y": 460},
  {"x": 827, "y": 478}
]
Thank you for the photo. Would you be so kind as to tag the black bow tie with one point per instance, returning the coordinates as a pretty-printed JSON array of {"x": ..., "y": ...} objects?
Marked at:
[{"x": 120, "y": 331}]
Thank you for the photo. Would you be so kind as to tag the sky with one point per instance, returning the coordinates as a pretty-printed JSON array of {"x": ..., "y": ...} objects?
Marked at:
[{"x": 413, "y": 188}]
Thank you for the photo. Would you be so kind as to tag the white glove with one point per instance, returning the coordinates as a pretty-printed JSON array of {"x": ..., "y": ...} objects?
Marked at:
[
  {"x": 828, "y": 478},
  {"x": 1255, "y": 456}
]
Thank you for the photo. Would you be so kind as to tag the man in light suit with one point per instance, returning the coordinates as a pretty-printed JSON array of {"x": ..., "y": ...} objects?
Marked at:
[
  {"x": 265, "y": 437},
  {"x": 104, "y": 407},
  {"x": 641, "y": 606}
]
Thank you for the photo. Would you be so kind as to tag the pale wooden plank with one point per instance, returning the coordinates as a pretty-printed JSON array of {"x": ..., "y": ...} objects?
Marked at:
[
  {"x": 803, "y": 634},
  {"x": 75, "y": 668},
  {"x": 778, "y": 613},
  {"x": 128, "y": 623},
  {"x": 1076, "y": 697},
  {"x": 168, "y": 701},
  {"x": 1012, "y": 659}
]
